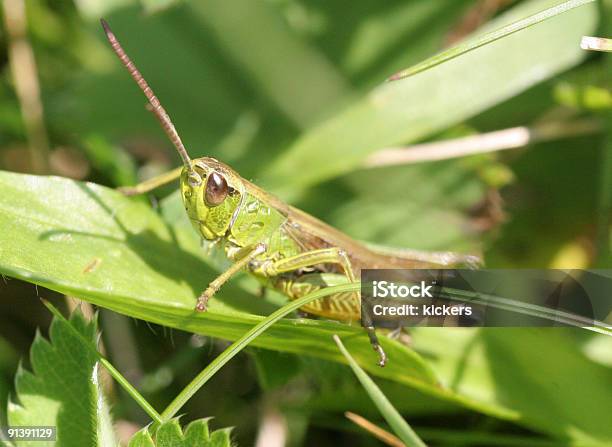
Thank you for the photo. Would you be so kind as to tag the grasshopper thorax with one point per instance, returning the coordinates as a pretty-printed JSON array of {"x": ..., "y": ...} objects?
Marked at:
[{"x": 212, "y": 193}]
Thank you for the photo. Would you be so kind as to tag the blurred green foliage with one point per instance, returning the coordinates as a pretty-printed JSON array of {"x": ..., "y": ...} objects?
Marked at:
[{"x": 292, "y": 94}]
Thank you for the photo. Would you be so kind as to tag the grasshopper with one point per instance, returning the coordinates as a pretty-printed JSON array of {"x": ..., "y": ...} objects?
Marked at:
[{"x": 285, "y": 248}]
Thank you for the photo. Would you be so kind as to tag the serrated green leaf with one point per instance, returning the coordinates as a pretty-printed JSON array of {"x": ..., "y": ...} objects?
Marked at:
[
  {"x": 220, "y": 438},
  {"x": 63, "y": 390},
  {"x": 170, "y": 434},
  {"x": 196, "y": 431},
  {"x": 142, "y": 439}
]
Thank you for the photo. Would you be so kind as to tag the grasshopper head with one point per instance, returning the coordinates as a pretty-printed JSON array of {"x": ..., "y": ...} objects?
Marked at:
[
  {"x": 211, "y": 193},
  {"x": 211, "y": 190}
]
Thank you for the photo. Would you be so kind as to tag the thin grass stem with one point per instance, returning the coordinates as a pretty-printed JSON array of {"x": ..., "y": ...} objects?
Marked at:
[
  {"x": 387, "y": 410},
  {"x": 491, "y": 37},
  {"x": 243, "y": 341}
]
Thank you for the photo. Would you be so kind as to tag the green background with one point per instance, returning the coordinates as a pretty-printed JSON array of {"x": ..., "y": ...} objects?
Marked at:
[{"x": 292, "y": 94}]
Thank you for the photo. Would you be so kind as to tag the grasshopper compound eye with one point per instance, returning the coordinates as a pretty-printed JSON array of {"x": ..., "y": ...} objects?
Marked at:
[{"x": 216, "y": 189}]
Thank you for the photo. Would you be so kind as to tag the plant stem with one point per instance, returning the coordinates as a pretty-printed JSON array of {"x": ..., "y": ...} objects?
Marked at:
[
  {"x": 490, "y": 38},
  {"x": 374, "y": 429},
  {"x": 243, "y": 341},
  {"x": 498, "y": 140},
  {"x": 533, "y": 310},
  {"x": 596, "y": 44},
  {"x": 25, "y": 78}
]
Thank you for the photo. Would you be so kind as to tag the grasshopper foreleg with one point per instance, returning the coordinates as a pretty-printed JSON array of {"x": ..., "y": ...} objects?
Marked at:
[
  {"x": 331, "y": 255},
  {"x": 215, "y": 285},
  {"x": 366, "y": 322}
]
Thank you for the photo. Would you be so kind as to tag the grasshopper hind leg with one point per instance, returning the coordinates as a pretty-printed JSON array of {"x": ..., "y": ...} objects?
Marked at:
[
  {"x": 382, "y": 356},
  {"x": 366, "y": 322},
  {"x": 337, "y": 307},
  {"x": 341, "y": 307}
]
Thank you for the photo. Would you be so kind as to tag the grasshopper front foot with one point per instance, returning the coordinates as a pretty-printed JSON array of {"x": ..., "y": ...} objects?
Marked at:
[{"x": 202, "y": 304}]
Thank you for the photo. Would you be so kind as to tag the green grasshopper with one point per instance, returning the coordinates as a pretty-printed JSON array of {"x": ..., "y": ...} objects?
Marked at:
[{"x": 284, "y": 247}]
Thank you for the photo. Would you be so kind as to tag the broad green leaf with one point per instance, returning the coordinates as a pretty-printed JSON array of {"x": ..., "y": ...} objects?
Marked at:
[
  {"x": 142, "y": 439},
  {"x": 63, "y": 388},
  {"x": 170, "y": 434},
  {"x": 536, "y": 371},
  {"x": 410, "y": 109},
  {"x": 118, "y": 253}
]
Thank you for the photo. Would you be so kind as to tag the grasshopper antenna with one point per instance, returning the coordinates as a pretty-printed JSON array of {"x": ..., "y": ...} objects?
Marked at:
[{"x": 154, "y": 104}]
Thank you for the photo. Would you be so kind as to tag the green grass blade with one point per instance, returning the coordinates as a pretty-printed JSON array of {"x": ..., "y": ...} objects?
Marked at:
[
  {"x": 391, "y": 415},
  {"x": 488, "y": 38},
  {"x": 530, "y": 309},
  {"x": 242, "y": 342}
]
